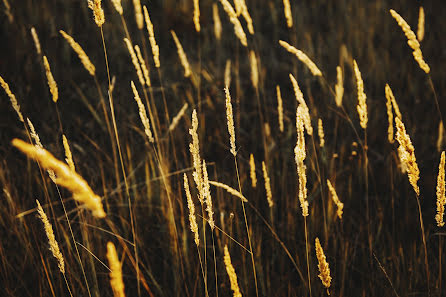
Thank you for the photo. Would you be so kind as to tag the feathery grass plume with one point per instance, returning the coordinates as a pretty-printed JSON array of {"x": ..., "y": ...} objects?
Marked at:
[
  {"x": 182, "y": 55},
  {"x": 339, "y": 87},
  {"x": 135, "y": 61},
  {"x": 302, "y": 57},
  {"x": 177, "y": 118},
  {"x": 441, "y": 196},
  {"x": 390, "y": 97},
  {"x": 299, "y": 156},
  {"x": 231, "y": 273},
  {"x": 336, "y": 200},
  {"x": 194, "y": 149},
  {"x": 143, "y": 65},
  {"x": 300, "y": 99},
  {"x": 217, "y": 21},
  {"x": 420, "y": 31},
  {"x": 36, "y": 40},
  {"x": 323, "y": 266},
  {"x": 190, "y": 205},
  {"x": 12, "y": 98},
  {"x": 362, "y": 104},
  {"x": 280, "y": 108},
  {"x": 54, "y": 246},
  {"x": 230, "y": 120},
  {"x": 228, "y": 189},
  {"x": 269, "y": 193},
  {"x": 407, "y": 155},
  {"x": 320, "y": 132},
  {"x": 98, "y": 12},
  {"x": 66, "y": 177},
  {"x": 80, "y": 53},
  {"x": 288, "y": 13},
  {"x": 252, "y": 171},
  {"x": 440, "y": 136},
  {"x": 116, "y": 281},
  {"x": 235, "y": 21},
  {"x": 228, "y": 73},
  {"x": 142, "y": 113},
  {"x": 152, "y": 40},
  {"x": 51, "y": 82},
  {"x": 254, "y": 69},
  {"x": 411, "y": 41},
  {"x": 390, "y": 118},
  {"x": 118, "y": 6},
  {"x": 68, "y": 155},
  {"x": 197, "y": 15},
  {"x": 138, "y": 14},
  {"x": 207, "y": 196}
]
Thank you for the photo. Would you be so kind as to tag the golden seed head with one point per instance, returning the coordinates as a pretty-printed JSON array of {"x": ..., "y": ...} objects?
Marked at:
[
  {"x": 12, "y": 98},
  {"x": 143, "y": 65},
  {"x": 80, "y": 53},
  {"x": 235, "y": 21},
  {"x": 36, "y": 40},
  {"x": 116, "y": 281},
  {"x": 68, "y": 155},
  {"x": 254, "y": 69},
  {"x": 230, "y": 120},
  {"x": 194, "y": 149},
  {"x": 391, "y": 97},
  {"x": 299, "y": 156},
  {"x": 197, "y": 16},
  {"x": 302, "y": 57},
  {"x": 51, "y": 82},
  {"x": 252, "y": 171},
  {"x": 207, "y": 196},
  {"x": 231, "y": 273},
  {"x": 177, "y": 118},
  {"x": 182, "y": 55},
  {"x": 362, "y": 104},
  {"x": 242, "y": 9},
  {"x": 118, "y": 6},
  {"x": 190, "y": 205},
  {"x": 142, "y": 113},
  {"x": 389, "y": 117},
  {"x": 440, "y": 136},
  {"x": 279, "y": 108},
  {"x": 269, "y": 194},
  {"x": 305, "y": 110},
  {"x": 324, "y": 269},
  {"x": 228, "y": 189},
  {"x": 153, "y": 45},
  {"x": 339, "y": 87},
  {"x": 138, "y": 14},
  {"x": 135, "y": 61},
  {"x": 441, "y": 196},
  {"x": 98, "y": 12},
  {"x": 335, "y": 198},
  {"x": 320, "y": 132},
  {"x": 420, "y": 31},
  {"x": 288, "y": 13},
  {"x": 228, "y": 73},
  {"x": 217, "y": 21}
]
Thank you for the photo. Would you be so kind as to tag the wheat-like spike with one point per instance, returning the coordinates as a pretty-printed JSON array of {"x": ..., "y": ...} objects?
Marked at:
[
  {"x": 235, "y": 21},
  {"x": 231, "y": 273},
  {"x": 51, "y": 82},
  {"x": 142, "y": 63},
  {"x": 217, "y": 21},
  {"x": 389, "y": 117},
  {"x": 302, "y": 57},
  {"x": 207, "y": 196},
  {"x": 197, "y": 15},
  {"x": 279, "y": 108},
  {"x": 190, "y": 205},
  {"x": 288, "y": 13},
  {"x": 228, "y": 73},
  {"x": 135, "y": 61},
  {"x": 116, "y": 281},
  {"x": 228, "y": 189},
  {"x": 245, "y": 13},
  {"x": 98, "y": 12},
  {"x": 407, "y": 155},
  {"x": 411, "y": 41},
  {"x": 335, "y": 198},
  {"x": 152, "y": 40},
  {"x": 80, "y": 53},
  {"x": 65, "y": 176},
  {"x": 300, "y": 99},
  {"x": 440, "y": 136},
  {"x": 299, "y": 156},
  {"x": 12, "y": 98},
  {"x": 324, "y": 269},
  {"x": 138, "y": 14},
  {"x": 339, "y": 87},
  {"x": 194, "y": 149},
  {"x": 182, "y": 55},
  {"x": 68, "y": 155},
  {"x": 142, "y": 113},
  {"x": 252, "y": 171},
  {"x": 441, "y": 196},
  {"x": 420, "y": 31},
  {"x": 254, "y": 69},
  {"x": 38, "y": 143},
  {"x": 269, "y": 193},
  {"x": 36, "y": 40},
  {"x": 54, "y": 246},
  {"x": 320, "y": 132},
  {"x": 391, "y": 97},
  {"x": 230, "y": 120},
  {"x": 177, "y": 118},
  {"x": 362, "y": 98},
  {"x": 118, "y": 6}
]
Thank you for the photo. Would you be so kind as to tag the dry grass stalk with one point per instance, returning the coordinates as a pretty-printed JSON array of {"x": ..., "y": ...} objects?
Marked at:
[
  {"x": 280, "y": 108},
  {"x": 138, "y": 14},
  {"x": 135, "y": 61},
  {"x": 182, "y": 55},
  {"x": 190, "y": 205},
  {"x": 98, "y": 12},
  {"x": 142, "y": 62},
  {"x": 54, "y": 246},
  {"x": 441, "y": 196},
  {"x": 407, "y": 155},
  {"x": 324, "y": 269},
  {"x": 80, "y": 53},
  {"x": 362, "y": 98},
  {"x": 207, "y": 196},
  {"x": 231, "y": 273},
  {"x": 420, "y": 31},
  {"x": 440, "y": 136},
  {"x": 65, "y": 177},
  {"x": 194, "y": 149},
  {"x": 68, "y": 155},
  {"x": 254, "y": 69},
  {"x": 389, "y": 117},
  {"x": 299, "y": 156},
  {"x": 142, "y": 113},
  {"x": 152, "y": 40},
  {"x": 339, "y": 87},
  {"x": 228, "y": 73},
  {"x": 230, "y": 120},
  {"x": 51, "y": 82},
  {"x": 228, "y": 189},
  {"x": 235, "y": 21},
  {"x": 116, "y": 281},
  {"x": 12, "y": 98},
  {"x": 36, "y": 40},
  {"x": 217, "y": 21},
  {"x": 391, "y": 97},
  {"x": 177, "y": 118},
  {"x": 320, "y": 132},
  {"x": 302, "y": 57},
  {"x": 335, "y": 198},
  {"x": 197, "y": 16},
  {"x": 252, "y": 171},
  {"x": 118, "y": 6},
  {"x": 300, "y": 99},
  {"x": 269, "y": 193},
  {"x": 288, "y": 13},
  {"x": 411, "y": 41}
]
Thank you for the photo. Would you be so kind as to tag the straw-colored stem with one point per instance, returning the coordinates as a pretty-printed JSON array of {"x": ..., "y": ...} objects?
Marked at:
[{"x": 306, "y": 252}]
